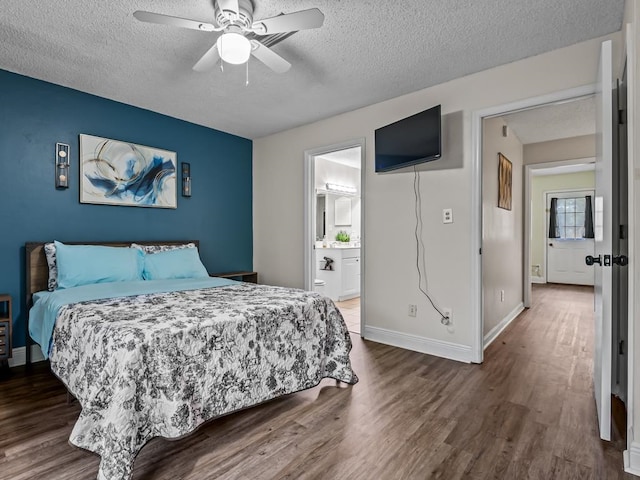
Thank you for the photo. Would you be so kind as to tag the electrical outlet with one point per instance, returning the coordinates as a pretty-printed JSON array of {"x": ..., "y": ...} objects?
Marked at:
[
  {"x": 413, "y": 310},
  {"x": 447, "y": 215},
  {"x": 502, "y": 295},
  {"x": 448, "y": 312}
]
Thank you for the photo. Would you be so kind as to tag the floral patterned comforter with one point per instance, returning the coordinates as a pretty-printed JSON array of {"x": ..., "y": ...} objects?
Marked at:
[{"x": 162, "y": 364}]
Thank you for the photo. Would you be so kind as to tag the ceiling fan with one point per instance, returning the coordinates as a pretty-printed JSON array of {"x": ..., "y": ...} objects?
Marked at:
[{"x": 233, "y": 21}]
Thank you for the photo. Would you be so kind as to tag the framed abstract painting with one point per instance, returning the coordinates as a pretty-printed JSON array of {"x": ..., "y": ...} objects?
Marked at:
[
  {"x": 504, "y": 182},
  {"x": 126, "y": 174}
]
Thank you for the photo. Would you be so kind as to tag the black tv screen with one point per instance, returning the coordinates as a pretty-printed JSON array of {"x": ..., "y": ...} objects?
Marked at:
[{"x": 410, "y": 141}]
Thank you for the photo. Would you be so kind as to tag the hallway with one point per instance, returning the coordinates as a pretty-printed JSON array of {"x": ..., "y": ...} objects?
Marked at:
[{"x": 542, "y": 366}]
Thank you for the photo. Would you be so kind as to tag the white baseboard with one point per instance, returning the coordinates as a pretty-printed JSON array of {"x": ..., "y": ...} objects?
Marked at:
[
  {"x": 20, "y": 356},
  {"x": 537, "y": 279},
  {"x": 348, "y": 297},
  {"x": 632, "y": 459},
  {"x": 438, "y": 348},
  {"x": 497, "y": 330}
]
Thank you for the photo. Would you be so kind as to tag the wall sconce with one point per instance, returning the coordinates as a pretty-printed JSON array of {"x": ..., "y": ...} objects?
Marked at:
[
  {"x": 62, "y": 166},
  {"x": 186, "y": 179}
]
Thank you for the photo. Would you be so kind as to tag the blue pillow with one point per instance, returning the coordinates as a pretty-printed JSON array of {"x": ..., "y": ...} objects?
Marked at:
[
  {"x": 87, "y": 264},
  {"x": 181, "y": 263}
]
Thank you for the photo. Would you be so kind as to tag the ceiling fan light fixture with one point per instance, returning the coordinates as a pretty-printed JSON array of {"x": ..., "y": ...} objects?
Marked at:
[{"x": 234, "y": 48}]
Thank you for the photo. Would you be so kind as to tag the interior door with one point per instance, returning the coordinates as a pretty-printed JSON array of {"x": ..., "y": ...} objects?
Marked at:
[
  {"x": 566, "y": 253},
  {"x": 620, "y": 278},
  {"x": 603, "y": 241}
]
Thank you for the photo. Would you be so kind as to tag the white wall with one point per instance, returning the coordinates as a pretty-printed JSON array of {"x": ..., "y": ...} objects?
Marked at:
[
  {"x": 564, "y": 149},
  {"x": 502, "y": 230},
  {"x": 539, "y": 185},
  {"x": 391, "y": 281}
]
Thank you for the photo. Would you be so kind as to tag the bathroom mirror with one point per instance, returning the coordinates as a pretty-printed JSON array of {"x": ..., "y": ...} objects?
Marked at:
[
  {"x": 321, "y": 213},
  {"x": 343, "y": 211}
]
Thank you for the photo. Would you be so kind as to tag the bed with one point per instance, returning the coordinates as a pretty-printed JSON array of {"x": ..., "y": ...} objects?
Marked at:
[{"x": 159, "y": 357}]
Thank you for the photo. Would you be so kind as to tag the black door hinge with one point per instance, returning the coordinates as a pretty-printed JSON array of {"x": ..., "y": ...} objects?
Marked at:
[
  {"x": 622, "y": 117},
  {"x": 621, "y": 347}
]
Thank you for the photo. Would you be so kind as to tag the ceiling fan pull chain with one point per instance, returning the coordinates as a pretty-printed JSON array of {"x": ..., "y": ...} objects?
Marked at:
[{"x": 246, "y": 84}]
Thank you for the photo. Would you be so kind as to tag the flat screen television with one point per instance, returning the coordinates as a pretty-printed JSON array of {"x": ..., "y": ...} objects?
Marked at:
[{"x": 410, "y": 141}]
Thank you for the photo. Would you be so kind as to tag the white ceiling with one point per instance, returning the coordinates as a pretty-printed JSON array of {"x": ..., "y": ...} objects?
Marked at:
[
  {"x": 553, "y": 122},
  {"x": 367, "y": 51},
  {"x": 351, "y": 157}
]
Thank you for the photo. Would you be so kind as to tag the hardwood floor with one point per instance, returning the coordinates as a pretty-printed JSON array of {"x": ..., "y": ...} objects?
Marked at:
[{"x": 527, "y": 412}]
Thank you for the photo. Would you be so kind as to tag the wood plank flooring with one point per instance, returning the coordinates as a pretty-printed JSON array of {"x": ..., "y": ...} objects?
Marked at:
[{"x": 527, "y": 412}]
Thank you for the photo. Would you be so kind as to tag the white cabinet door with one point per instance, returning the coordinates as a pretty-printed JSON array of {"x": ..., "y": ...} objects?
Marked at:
[{"x": 350, "y": 277}]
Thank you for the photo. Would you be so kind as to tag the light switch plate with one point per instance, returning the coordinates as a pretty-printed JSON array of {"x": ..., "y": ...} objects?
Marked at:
[{"x": 447, "y": 215}]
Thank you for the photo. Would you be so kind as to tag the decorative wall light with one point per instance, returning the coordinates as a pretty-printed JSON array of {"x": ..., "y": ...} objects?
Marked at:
[
  {"x": 186, "y": 179},
  {"x": 62, "y": 166}
]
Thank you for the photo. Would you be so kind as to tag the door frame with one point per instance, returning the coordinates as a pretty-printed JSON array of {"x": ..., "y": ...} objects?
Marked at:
[
  {"x": 632, "y": 454},
  {"x": 310, "y": 214},
  {"x": 528, "y": 179},
  {"x": 477, "y": 116}
]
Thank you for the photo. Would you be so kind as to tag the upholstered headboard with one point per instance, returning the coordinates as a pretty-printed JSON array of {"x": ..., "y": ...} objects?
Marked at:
[{"x": 38, "y": 270}]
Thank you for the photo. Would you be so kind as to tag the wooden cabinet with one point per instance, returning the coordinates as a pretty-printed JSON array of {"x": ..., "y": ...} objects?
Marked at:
[
  {"x": 5, "y": 327},
  {"x": 343, "y": 281}
]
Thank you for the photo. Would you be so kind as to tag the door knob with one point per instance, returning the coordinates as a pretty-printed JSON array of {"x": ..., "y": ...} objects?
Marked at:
[
  {"x": 621, "y": 260},
  {"x": 589, "y": 260}
]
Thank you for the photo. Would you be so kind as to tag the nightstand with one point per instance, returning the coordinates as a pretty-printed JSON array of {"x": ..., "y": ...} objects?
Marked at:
[
  {"x": 5, "y": 328},
  {"x": 250, "y": 277}
]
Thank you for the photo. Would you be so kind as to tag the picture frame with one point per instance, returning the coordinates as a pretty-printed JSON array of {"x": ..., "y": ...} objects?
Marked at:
[
  {"x": 119, "y": 173},
  {"x": 504, "y": 182}
]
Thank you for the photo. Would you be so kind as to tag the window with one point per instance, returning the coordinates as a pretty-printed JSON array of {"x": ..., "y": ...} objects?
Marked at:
[{"x": 570, "y": 218}]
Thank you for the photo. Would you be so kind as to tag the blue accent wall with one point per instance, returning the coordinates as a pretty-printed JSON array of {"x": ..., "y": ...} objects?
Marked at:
[{"x": 34, "y": 115}]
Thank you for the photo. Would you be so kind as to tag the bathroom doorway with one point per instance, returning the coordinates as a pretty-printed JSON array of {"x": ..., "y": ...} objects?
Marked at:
[{"x": 333, "y": 243}]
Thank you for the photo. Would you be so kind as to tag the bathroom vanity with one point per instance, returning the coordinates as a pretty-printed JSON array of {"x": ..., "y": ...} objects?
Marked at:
[{"x": 343, "y": 282}]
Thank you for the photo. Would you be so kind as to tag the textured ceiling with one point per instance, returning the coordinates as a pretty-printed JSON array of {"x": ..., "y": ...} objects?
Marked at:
[
  {"x": 553, "y": 122},
  {"x": 367, "y": 51}
]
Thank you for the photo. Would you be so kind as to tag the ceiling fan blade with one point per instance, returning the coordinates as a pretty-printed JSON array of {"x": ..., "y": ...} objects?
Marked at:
[
  {"x": 229, "y": 6},
  {"x": 208, "y": 60},
  {"x": 151, "y": 17},
  {"x": 270, "y": 58},
  {"x": 290, "y": 22}
]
